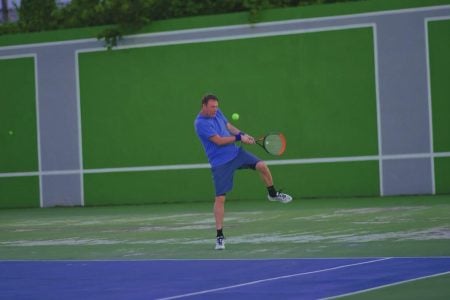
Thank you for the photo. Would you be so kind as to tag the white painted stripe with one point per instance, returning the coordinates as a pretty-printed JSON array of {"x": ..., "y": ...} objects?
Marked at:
[
  {"x": 377, "y": 95},
  {"x": 272, "y": 279},
  {"x": 321, "y": 160},
  {"x": 48, "y": 44},
  {"x": 406, "y": 156},
  {"x": 280, "y": 162},
  {"x": 211, "y": 29},
  {"x": 19, "y": 174},
  {"x": 441, "y": 154},
  {"x": 430, "y": 109},
  {"x": 149, "y": 168},
  {"x": 441, "y": 18},
  {"x": 38, "y": 129},
  {"x": 387, "y": 285},
  {"x": 228, "y": 37},
  {"x": 28, "y": 55},
  {"x": 80, "y": 135}
]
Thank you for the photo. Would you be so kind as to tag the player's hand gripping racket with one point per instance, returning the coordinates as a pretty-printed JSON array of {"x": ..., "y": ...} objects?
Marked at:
[{"x": 273, "y": 143}]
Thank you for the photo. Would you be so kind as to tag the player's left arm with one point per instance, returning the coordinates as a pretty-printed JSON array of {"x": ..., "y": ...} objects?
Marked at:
[{"x": 235, "y": 131}]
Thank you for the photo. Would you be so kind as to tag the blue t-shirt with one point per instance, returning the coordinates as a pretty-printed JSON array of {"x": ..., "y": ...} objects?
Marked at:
[{"x": 206, "y": 127}]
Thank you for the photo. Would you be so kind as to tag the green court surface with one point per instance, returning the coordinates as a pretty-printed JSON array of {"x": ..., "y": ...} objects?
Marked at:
[{"x": 354, "y": 227}]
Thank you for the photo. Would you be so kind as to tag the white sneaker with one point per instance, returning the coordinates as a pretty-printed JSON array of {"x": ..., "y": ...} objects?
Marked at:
[
  {"x": 280, "y": 197},
  {"x": 220, "y": 243}
]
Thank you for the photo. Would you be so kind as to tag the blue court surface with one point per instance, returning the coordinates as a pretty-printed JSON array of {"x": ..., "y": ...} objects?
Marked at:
[{"x": 314, "y": 278}]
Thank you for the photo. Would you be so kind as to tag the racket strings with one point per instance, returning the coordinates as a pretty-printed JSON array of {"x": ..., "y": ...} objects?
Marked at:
[{"x": 275, "y": 144}]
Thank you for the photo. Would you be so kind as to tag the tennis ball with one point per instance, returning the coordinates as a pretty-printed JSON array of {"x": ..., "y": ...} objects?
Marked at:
[
  {"x": 10, "y": 132},
  {"x": 235, "y": 116}
]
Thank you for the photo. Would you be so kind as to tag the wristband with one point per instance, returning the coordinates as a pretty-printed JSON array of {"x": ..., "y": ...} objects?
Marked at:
[{"x": 238, "y": 137}]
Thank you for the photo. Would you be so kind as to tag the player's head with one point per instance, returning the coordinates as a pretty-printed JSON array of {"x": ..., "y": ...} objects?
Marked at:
[
  {"x": 210, "y": 105},
  {"x": 209, "y": 97}
]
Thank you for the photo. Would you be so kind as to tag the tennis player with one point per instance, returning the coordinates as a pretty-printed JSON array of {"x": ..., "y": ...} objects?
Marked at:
[{"x": 219, "y": 138}]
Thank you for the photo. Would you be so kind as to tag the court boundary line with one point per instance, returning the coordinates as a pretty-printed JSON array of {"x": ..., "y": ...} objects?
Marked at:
[
  {"x": 270, "y": 279},
  {"x": 225, "y": 259},
  {"x": 221, "y": 259},
  {"x": 386, "y": 285}
]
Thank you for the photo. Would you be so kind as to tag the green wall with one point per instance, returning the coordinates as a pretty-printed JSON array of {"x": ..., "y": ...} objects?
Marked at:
[
  {"x": 18, "y": 135},
  {"x": 16, "y": 192},
  {"x": 439, "y": 49},
  {"x": 18, "y": 151},
  {"x": 138, "y": 107}
]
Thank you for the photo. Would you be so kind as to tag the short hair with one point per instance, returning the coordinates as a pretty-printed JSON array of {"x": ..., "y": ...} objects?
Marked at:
[{"x": 208, "y": 97}]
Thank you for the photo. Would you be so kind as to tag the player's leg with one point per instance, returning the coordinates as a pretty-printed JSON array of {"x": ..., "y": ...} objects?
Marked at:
[
  {"x": 264, "y": 172},
  {"x": 248, "y": 160},
  {"x": 266, "y": 177},
  {"x": 223, "y": 183},
  {"x": 219, "y": 214},
  {"x": 219, "y": 211}
]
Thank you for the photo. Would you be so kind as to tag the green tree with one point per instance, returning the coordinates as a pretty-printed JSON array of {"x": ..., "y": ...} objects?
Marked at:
[
  {"x": 81, "y": 13},
  {"x": 37, "y": 15},
  {"x": 128, "y": 17}
]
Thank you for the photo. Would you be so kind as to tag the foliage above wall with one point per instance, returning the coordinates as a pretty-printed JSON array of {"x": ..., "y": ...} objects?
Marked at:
[{"x": 127, "y": 16}]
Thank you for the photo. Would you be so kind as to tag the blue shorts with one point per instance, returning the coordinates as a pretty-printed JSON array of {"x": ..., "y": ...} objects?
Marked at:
[{"x": 223, "y": 174}]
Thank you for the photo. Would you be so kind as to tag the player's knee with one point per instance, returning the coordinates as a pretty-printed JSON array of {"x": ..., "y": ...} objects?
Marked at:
[
  {"x": 220, "y": 199},
  {"x": 261, "y": 166}
]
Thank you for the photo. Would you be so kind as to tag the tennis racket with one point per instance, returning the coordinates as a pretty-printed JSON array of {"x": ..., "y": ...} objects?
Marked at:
[{"x": 273, "y": 143}]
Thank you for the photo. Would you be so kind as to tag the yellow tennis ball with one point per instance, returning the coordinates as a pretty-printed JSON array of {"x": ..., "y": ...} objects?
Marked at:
[{"x": 235, "y": 116}]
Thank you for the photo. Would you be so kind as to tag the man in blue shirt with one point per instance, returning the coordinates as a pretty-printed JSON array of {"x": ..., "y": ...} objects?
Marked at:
[{"x": 218, "y": 138}]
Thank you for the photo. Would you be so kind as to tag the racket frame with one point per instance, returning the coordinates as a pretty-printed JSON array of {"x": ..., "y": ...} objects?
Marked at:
[{"x": 262, "y": 142}]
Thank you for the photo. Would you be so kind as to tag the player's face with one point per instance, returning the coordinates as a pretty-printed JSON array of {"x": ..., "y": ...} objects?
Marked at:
[{"x": 210, "y": 108}]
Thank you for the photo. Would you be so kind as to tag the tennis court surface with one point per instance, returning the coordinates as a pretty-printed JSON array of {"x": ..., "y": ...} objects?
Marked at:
[
  {"x": 211, "y": 279},
  {"x": 361, "y": 248}
]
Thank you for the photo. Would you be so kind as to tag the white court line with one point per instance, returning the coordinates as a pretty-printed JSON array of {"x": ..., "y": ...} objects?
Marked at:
[
  {"x": 270, "y": 279},
  {"x": 387, "y": 285},
  {"x": 208, "y": 259},
  {"x": 219, "y": 259}
]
